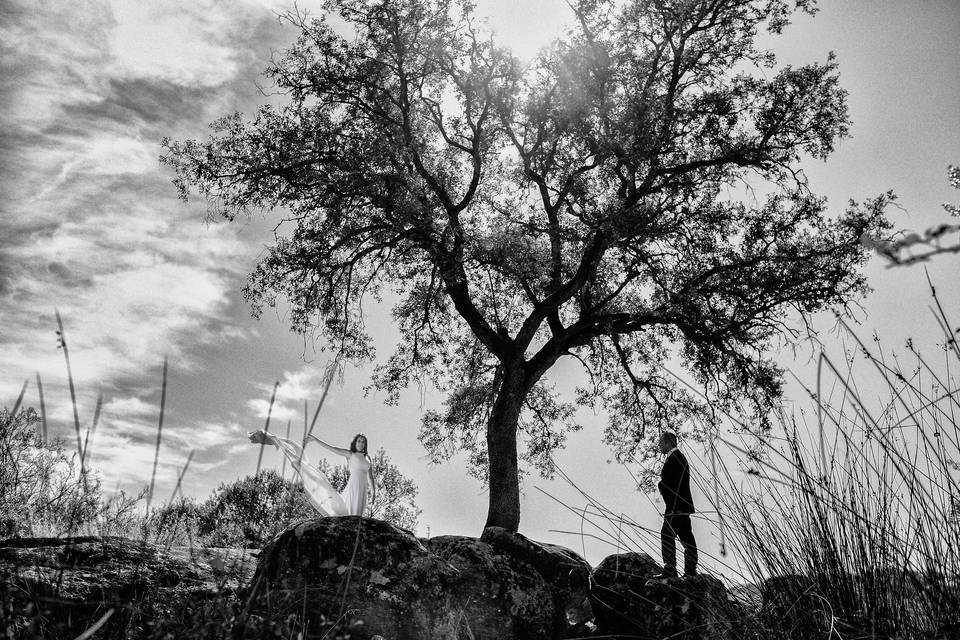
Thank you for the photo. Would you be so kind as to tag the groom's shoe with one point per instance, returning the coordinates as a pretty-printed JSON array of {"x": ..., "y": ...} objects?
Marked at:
[{"x": 668, "y": 573}]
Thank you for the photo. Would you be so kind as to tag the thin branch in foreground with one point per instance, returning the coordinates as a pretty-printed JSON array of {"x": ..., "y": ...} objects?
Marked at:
[
  {"x": 156, "y": 453},
  {"x": 266, "y": 427},
  {"x": 89, "y": 633},
  {"x": 62, "y": 339},
  {"x": 16, "y": 405},
  {"x": 43, "y": 410}
]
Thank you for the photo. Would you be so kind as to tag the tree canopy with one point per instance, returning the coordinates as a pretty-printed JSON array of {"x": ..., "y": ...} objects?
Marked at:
[{"x": 631, "y": 197}]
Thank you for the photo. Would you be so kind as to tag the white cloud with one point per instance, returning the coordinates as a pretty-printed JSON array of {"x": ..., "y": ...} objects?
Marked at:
[
  {"x": 139, "y": 431},
  {"x": 62, "y": 45},
  {"x": 107, "y": 155},
  {"x": 237, "y": 449},
  {"x": 92, "y": 227},
  {"x": 207, "y": 436},
  {"x": 303, "y": 384},
  {"x": 129, "y": 289},
  {"x": 178, "y": 41},
  {"x": 130, "y": 407},
  {"x": 122, "y": 450},
  {"x": 279, "y": 414},
  {"x": 307, "y": 383},
  {"x": 120, "y": 459}
]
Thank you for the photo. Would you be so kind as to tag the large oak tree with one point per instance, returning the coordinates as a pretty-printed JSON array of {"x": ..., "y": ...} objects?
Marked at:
[{"x": 632, "y": 196}]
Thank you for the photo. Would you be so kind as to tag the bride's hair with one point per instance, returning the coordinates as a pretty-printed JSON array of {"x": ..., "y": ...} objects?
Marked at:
[{"x": 353, "y": 443}]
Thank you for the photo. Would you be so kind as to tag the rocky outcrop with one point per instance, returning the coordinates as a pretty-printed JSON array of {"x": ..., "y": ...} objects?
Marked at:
[
  {"x": 59, "y": 587},
  {"x": 615, "y": 587},
  {"x": 566, "y": 573},
  {"x": 353, "y": 578},
  {"x": 372, "y": 578},
  {"x": 495, "y": 595},
  {"x": 627, "y": 602}
]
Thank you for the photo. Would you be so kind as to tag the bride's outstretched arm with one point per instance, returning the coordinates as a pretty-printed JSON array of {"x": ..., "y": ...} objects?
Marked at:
[
  {"x": 330, "y": 447},
  {"x": 260, "y": 437},
  {"x": 292, "y": 450}
]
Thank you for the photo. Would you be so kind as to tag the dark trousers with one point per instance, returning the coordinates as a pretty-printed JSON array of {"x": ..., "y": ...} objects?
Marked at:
[{"x": 678, "y": 526}]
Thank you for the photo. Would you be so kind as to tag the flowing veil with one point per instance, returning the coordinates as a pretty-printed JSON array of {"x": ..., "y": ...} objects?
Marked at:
[{"x": 321, "y": 493}]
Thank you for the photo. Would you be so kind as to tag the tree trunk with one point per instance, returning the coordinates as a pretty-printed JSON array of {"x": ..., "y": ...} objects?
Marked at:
[{"x": 504, "y": 506}]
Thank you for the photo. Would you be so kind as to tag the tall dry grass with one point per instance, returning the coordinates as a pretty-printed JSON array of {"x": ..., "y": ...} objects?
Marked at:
[
  {"x": 844, "y": 522},
  {"x": 852, "y": 522}
]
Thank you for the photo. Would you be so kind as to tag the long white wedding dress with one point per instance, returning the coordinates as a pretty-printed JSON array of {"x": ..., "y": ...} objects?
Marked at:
[{"x": 321, "y": 493}]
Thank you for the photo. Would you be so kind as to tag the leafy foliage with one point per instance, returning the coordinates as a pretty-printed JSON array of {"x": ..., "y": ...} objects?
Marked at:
[
  {"x": 930, "y": 243},
  {"x": 396, "y": 494},
  {"x": 250, "y": 511},
  {"x": 953, "y": 174},
  {"x": 42, "y": 490},
  {"x": 580, "y": 206}
]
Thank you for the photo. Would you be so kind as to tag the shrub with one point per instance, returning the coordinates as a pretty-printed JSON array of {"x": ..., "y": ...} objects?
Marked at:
[
  {"x": 250, "y": 511},
  {"x": 175, "y": 523},
  {"x": 396, "y": 494},
  {"x": 42, "y": 491}
]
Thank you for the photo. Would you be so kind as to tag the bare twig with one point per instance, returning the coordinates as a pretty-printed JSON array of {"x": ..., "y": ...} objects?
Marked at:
[{"x": 156, "y": 453}]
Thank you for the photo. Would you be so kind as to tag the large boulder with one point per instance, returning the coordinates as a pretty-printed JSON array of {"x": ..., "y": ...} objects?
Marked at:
[
  {"x": 615, "y": 585},
  {"x": 626, "y": 602},
  {"x": 495, "y": 595},
  {"x": 365, "y": 577},
  {"x": 566, "y": 573},
  {"x": 59, "y": 587}
]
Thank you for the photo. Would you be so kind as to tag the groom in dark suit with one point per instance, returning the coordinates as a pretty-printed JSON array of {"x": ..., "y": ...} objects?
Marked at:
[{"x": 674, "y": 486}]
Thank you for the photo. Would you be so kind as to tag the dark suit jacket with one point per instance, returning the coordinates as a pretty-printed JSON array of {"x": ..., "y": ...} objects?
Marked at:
[{"x": 674, "y": 484}]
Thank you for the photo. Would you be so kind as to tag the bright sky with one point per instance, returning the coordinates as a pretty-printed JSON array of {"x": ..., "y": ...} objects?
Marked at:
[{"x": 90, "y": 225}]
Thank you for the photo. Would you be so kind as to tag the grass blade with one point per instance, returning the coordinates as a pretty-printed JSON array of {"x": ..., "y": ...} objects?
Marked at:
[
  {"x": 16, "y": 405},
  {"x": 96, "y": 627},
  {"x": 156, "y": 453},
  {"x": 92, "y": 429},
  {"x": 283, "y": 468},
  {"x": 331, "y": 371},
  {"x": 43, "y": 410},
  {"x": 180, "y": 476},
  {"x": 73, "y": 394},
  {"x": 266, "y": 427}
]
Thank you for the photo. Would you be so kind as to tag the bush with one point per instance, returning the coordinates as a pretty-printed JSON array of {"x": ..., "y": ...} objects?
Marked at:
[
  {"x": 250, "y": 511},
  {"x": 396, "y": 494},
  {"x": 175, "y": 523},
  {"x": 42, "y": 491}
]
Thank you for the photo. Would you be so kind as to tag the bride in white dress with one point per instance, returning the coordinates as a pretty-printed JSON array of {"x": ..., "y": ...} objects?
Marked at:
[{"x": 321, "y": 493}]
